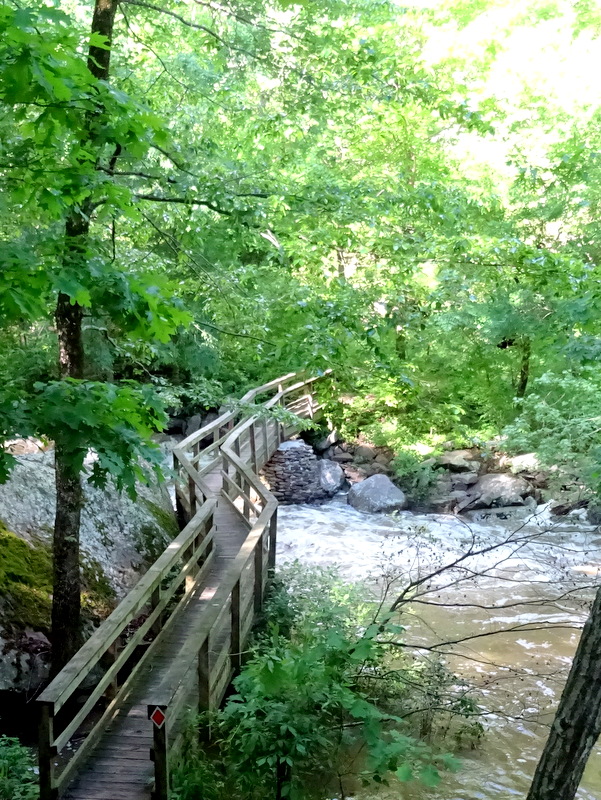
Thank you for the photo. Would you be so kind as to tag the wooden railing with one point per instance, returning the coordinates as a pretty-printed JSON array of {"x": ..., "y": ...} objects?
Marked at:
[
  {"x": 177, "y": 571},
  {"x": 213, "y": 652},
  {"x": 240, "y": 442}
]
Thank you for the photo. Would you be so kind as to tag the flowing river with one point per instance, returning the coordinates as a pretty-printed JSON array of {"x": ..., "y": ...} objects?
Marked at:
[{"x": 516, "y": 602}]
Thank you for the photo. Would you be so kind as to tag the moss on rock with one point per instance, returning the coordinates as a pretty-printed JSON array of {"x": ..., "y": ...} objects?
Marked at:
[
  {"x": 26, "y": 585},
  {"x": 25, "y": 582}
]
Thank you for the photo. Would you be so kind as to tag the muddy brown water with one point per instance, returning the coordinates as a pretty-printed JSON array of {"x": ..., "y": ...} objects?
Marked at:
[{"x": 521, "y": 603}]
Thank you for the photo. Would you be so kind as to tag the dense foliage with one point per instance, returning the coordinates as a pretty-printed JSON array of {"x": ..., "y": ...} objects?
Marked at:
[
  {"x": 18, "y": 778},
  {"x": 344, "y": 186},
  {"x": 320, "y": 705}
]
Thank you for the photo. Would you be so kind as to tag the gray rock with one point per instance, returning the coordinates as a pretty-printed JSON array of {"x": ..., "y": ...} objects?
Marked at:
[
  {"x": 593, "y": 515},
  {"x": 343, "y": 458},
  {"x": 294, "y": 444},
  {"x": 383, "y": 459},
  {"x": 459, "y": 461},
  {"x": 331, "y": 476},
  {"x": 527, "y": 462},
  {"x": 365, "y": 453},
  {"x": 463, "y": 479},
  {"x": 115, "y": 531},
  {"x": 323, "y": 444},
  {"x": 497, "y": 489},
  {"x": 376, "y": 494},
  {"x": 193, "y": 424},
  {"x": 373, "y": 468}
]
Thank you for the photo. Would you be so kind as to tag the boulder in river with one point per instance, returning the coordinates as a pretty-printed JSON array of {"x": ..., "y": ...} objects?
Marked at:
[
  {"x": 497, "y": 489},
  {"x": 377, "y": 494},
  {"x": 331, "y": 476}
]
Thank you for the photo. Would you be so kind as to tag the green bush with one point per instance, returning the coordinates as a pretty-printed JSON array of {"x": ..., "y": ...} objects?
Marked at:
[
  {"x": 322, "y": 683},
  {"x": 560, "y": 420},
  {"x": 18, "y": 779},
  {"x": 415, "y": 478}
]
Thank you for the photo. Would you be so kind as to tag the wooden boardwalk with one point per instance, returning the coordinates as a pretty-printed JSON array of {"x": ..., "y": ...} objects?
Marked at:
[
  {"x": 191, "y": 616},
  {"x": 120, "y": 767}
]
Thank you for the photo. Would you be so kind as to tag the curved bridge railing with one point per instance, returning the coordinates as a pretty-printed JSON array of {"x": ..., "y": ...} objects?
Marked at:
[{"x": 236, "y": 445}]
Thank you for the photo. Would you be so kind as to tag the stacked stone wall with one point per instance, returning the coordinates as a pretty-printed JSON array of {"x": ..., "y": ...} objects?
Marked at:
[{"x": 292, "y": 474}]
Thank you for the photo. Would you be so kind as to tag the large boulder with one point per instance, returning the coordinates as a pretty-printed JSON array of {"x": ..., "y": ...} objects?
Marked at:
[
  {"x": 497, "y": 489},
  {"x": 459, "y": 461},
  {"x": 331, "y": 476},
  {"x": 118, "y": 538},
  {"x": 117, "y": 534},
  {"x": 377, "y": 494},
  {"x": 328, "y": 441},
  {"x": 365, "y": 453}
]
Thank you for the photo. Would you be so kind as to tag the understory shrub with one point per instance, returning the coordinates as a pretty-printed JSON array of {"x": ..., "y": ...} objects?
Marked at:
[
  {"x": 560, "y": 420},
  {"x": 319, "y": 703},
  {"x": 18, "y": 778}
]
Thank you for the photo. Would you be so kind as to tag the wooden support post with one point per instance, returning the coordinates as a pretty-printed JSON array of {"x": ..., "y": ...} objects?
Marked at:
[
  {"x": 236, "y": 449},
  {"x": 258, "y": 587},
  {"x": 107, "y": 662},
  {"x": 236, "y": 645},
  {"x": 246, "y": 487},
  {"x": 204, "y": 677},
  {"x": 160, "y": 754},
  {"x": 281, "y": 428},
  {"x": 192, "y": 493},
  {"x": 47, "y": 753},
  {"x": 179, "y": 509},
  {"x": 266, "y": 441},
  {"x": 273, "y": 531},
  {"x": 253, "y": 447}
]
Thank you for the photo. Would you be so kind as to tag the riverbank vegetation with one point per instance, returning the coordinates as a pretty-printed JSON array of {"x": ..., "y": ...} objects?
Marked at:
[{"x": 324, "y": 704}]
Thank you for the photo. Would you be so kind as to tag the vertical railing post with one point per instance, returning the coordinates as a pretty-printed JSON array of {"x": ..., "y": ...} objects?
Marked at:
[
  {"x": 236, "y": 643},
  {"x": 258, "y": 587},
  {"x": 266, "y": 440},
  {"x": 236, "y": 449},
  {"x": 273, "y": 535},
  {"x": 192, "y": 493},
  {"x": 204, "y": 684},
  {"x": 179, "y": 508},
  {"x": 47, "y": 753},
  {"x": 107, "y": 661},
  {"x": 253, "y": 447},
  {"x": 160, "y": 752}
]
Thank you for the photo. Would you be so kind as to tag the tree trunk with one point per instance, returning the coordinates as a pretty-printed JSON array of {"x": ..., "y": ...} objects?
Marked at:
[
  {"x": 577, "y": 723},
  {"x": 525, "y": 348},
  {"x": 66, "y": 599}
]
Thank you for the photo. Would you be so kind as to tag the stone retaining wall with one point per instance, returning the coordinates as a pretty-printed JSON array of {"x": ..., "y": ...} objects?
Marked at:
[{"x": 292, "y": 474}]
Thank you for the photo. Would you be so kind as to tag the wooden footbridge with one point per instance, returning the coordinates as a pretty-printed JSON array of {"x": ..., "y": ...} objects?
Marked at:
[{"x": 112, "y": 718}]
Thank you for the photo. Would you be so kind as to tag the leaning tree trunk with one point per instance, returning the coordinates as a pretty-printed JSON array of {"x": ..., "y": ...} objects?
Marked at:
[
  {"x": 577, "y": 723},
  {"x": 66, "y": 601}
]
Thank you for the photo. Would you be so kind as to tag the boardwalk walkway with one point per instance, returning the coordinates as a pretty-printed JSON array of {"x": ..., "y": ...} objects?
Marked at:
[{"x": 175, "y": 642}]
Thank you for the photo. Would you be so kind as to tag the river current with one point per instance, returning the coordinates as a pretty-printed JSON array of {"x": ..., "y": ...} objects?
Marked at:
[{"x": 509, "y": 614}]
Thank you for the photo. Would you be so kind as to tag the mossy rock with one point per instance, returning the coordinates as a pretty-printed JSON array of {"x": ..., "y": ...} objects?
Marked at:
[
  {"x": 25, "y": 582},
  {"x": 26, "y": 585},
  {"x": 152, "y": 540}
]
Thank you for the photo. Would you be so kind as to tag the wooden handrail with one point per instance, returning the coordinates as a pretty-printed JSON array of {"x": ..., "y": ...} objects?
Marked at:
[{"x": 192, "y": 545}]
